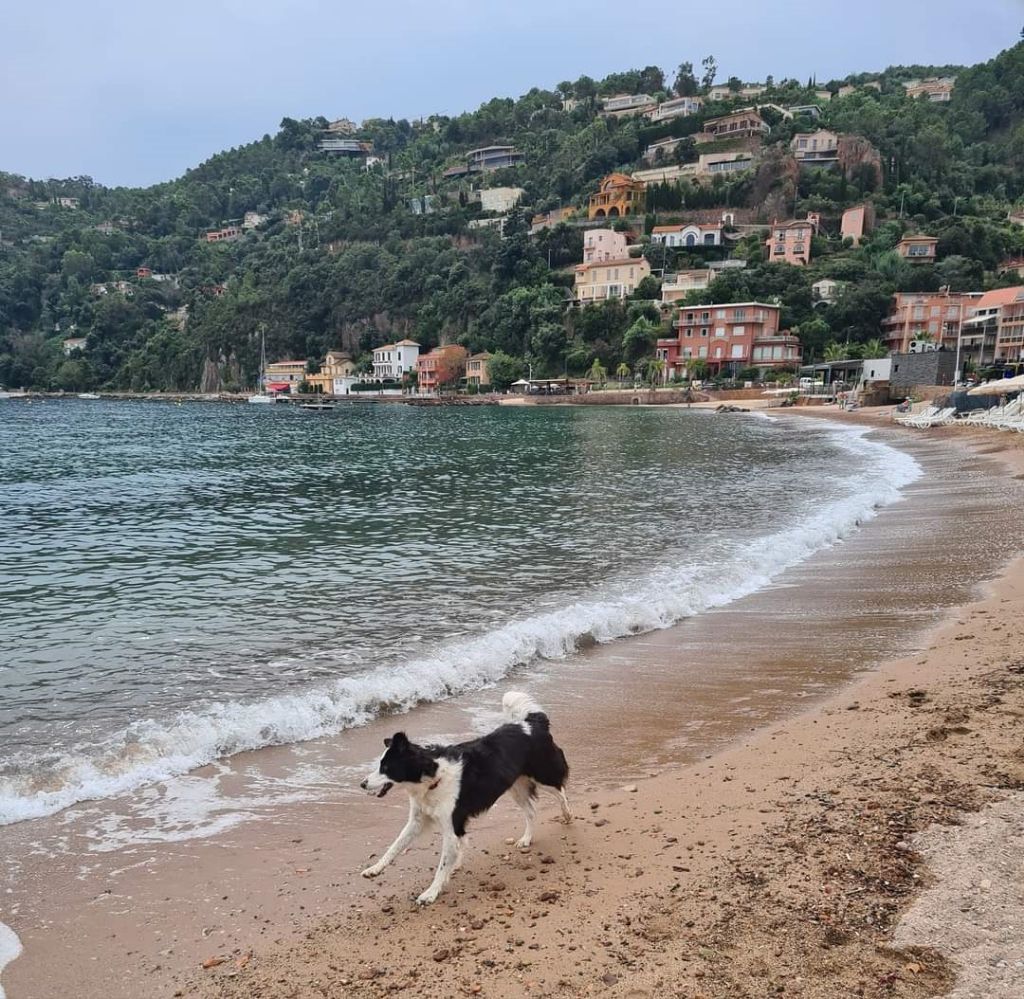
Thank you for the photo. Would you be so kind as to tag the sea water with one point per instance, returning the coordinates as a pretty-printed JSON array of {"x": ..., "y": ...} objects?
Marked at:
[{"x": 181, "y": 583}]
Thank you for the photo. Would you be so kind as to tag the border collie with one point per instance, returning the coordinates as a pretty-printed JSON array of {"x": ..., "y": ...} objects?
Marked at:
[{"x": 448, "y": 785}]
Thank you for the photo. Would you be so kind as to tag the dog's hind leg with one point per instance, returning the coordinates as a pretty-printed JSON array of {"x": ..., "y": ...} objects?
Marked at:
[
  {"x": 523, "y": 791},
  {"x": 445, "y": 866},
  {"x": 413, "y": 827},
  {"x": 563, "y": 801}
]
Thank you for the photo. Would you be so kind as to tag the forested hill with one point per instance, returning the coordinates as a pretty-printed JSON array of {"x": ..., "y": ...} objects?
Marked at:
[{"x": 352, "y": 253}]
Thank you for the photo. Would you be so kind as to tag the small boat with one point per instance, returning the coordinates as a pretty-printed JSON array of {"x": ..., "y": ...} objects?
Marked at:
[
  {"x": 316, "y": 405},
  {"x": 87, "y": 395},
  {"x": 263, "y": 397}
]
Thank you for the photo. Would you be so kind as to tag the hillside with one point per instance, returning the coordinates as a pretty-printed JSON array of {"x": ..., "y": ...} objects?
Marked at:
[{"x": 350, "y": 252}]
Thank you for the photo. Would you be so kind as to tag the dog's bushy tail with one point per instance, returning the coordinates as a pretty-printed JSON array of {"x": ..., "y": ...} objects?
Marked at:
[{"x": 518, "y": 707}]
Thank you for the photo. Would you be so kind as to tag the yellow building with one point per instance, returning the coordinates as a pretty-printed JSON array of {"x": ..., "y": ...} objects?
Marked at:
[
  {"x": 618, "y": 195},
  {"x": 284, "y": 376},
  {"x": 476, "y": 370},
  {"x": 337, "y": 364},
  {"x": 609, "y": 279}
]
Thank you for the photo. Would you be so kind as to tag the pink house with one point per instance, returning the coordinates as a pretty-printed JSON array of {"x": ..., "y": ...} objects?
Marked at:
[
  {"x": 600, "y": 245},
  {"x": 918, "y": 249},
  {"x": 858, "y": 222},
  {"x": 790, "y": 242}
]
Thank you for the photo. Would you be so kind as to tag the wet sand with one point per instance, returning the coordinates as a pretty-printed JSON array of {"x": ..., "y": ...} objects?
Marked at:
[{"x": 139, "y": 918}]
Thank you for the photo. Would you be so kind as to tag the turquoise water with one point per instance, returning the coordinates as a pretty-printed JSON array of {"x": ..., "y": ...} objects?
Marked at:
[{"x": 183, "y": 582}]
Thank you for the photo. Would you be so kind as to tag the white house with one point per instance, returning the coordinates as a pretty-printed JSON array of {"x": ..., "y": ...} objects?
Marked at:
[
  {"x": 825, "y": 290},
  {"x": 688, "y": 235},
  {"x": 343, "y": 384},
  {"x": 73, "y": 344},
  {"x": 678, "y": 107},
  {"x": 394, "y": 360}
]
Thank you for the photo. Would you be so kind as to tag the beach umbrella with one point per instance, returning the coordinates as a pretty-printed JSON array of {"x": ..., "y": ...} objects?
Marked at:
[{"x": 1001, "y": 386}]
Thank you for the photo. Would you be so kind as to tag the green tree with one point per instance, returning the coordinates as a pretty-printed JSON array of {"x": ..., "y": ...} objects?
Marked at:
[
  {"x": 685, "y": 84},
  {"x": 504, "y": 370}
]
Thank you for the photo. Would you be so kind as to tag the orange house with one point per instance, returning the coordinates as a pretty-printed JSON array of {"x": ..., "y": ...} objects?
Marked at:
[
  {"x": 441, "y": 368},
  {"x": 618, "y": 195},
  {"x": 790, "y": 243}
]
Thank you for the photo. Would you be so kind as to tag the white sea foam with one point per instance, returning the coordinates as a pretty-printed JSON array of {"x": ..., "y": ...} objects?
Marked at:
[
  {"x": 10, "y": 948},
  {"x": 155, "y": 749}
]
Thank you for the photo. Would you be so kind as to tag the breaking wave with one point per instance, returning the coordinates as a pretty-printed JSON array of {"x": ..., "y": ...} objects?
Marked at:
[{"x": 158, "y": 748}]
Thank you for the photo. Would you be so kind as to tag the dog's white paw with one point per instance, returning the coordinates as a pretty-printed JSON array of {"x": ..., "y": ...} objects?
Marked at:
[
  {"x": 523, "y": 842},
  {"x": 371, "y": 872},
  {"x": 430, "y": 895}
]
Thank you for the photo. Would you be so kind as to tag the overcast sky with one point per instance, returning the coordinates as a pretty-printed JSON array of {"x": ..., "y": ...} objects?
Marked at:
[{"x": 135, "y": 94}]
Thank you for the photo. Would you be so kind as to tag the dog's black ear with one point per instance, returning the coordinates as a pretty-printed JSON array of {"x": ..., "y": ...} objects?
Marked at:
[{"x": 397, "y": 741}]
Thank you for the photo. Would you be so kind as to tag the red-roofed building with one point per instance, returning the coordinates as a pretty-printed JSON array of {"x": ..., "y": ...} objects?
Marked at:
[
  {"x": 729, "y": 336},
  {"x": 441, "y": 368}
]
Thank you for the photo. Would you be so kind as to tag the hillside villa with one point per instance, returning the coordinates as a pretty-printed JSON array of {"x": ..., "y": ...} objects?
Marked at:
[
  {"x": 918, "y": 249},
  {"x": 618, "y": 195},
  {"x": 605, "y": 279},
  {"x": 676, "y": 287},
  {"x": 738, "y": 334},
  {"x": 624, "y": 105},
  {"x": 745, "y": 123},
  {"x": 691, "y": 235},
  {"x": 486, "y": 159},
  {"x": 600, "y": 245},
  {"x": 820, "y": 148},
  {"x": 937, "y": 89},
  {"x": 73, "y": 344},
  {"x": 678, "y": 107},
  {"x": 790, "y": 242}
]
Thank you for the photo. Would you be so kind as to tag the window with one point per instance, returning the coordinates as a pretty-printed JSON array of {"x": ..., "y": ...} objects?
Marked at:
[
  {"x": 704, "y": 351},
  {"x": 691, "y": 240},
  {"x": 739, "y": 331},
  {"x": 705, "y": 316},
  {"x": 719, "y": 352},
  {"x": 704, "y": 331},
  {"x": 709, "y": 239},
  {"x": 719, "y": 313},
  {"x": 689, "y": 333},
  {"x": 737, "y": 351},
  {"x": 739, "y": 315},
  {"x": 719, "y": 331}
]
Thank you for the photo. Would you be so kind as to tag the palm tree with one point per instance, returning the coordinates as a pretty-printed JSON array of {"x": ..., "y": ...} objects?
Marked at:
[
  {"x": 836, "y": 352},
  {"x": 622, "y": 372},
  {"x": 655, "y": 367},
  {"x": 598, "y": 372},
  {"x": 874, "y": 349}
]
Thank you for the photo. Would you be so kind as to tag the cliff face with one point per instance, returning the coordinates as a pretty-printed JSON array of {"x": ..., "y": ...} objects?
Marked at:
[{"x": 856, "y": 154}]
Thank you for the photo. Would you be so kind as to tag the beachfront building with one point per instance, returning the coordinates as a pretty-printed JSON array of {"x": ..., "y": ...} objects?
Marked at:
[
  {"x": 285, "y": 376},
  {"x": 927, "y": 316},
  {"x": 337, "y": 364},
  {"x": 729, "y": 336},
  {"x": 675, "y": 287},
  {"x": 609, "y": 279},
  {"x": 477, "y": 372},
  {"x": 394, "y": 361},
  {"x": 691, "y": 235},
  {"x": 918, "y": 249},
  {"x": 994, "y": 328},
  {"x": 820, "y": 148},
  {"x": 618, "y": 195},
  {"x": 790, "y": 242},
  {"x": 440, "y": 368},
  {"x": 600, "y": 245},
  {"x": 743, "y": 124}
]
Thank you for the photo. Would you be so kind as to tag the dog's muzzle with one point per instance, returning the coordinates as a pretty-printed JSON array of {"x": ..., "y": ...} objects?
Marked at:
[{"x": 387, "y": 786}]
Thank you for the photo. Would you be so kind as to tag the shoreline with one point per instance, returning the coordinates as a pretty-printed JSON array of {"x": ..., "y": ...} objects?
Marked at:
[
  {"x": 284, "y": 923},
  {"x": 744, "y": 874}
]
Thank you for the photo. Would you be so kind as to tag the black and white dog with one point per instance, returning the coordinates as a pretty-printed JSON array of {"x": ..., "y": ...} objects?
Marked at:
[{"x": 448, "y": 785}]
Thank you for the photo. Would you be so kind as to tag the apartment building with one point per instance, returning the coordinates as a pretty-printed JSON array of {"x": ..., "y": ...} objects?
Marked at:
[
  {"x": 600, "y": 245},
  {"x": 820, "y": 148},
  {"x": 735, "y": 334},
  {"x": 937, "y": 316},
  {"x": 678, "y": 107},
  {"x": 440, "y": 368},
  {"x": 624, "y": 105},
  {"x": 745, "y": 123}
]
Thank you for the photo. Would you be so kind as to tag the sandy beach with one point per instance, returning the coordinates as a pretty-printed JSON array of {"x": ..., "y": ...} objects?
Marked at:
[{"x": 818, "y": 818}]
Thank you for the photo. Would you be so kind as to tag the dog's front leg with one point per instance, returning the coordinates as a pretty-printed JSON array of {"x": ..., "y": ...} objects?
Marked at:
[
  {"x": 445, "y": 866},
  {"x": 412, "y": 829}
]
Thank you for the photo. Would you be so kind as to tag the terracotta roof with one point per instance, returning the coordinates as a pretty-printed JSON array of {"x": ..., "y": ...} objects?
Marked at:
[
  {"x": 407, "y": 343},
  {"x": 387, "y": 346},
  {"x": 1001, "y": 296},
  {"x": 687, "y": 225},
  {"x": 609, "y": 263}
]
